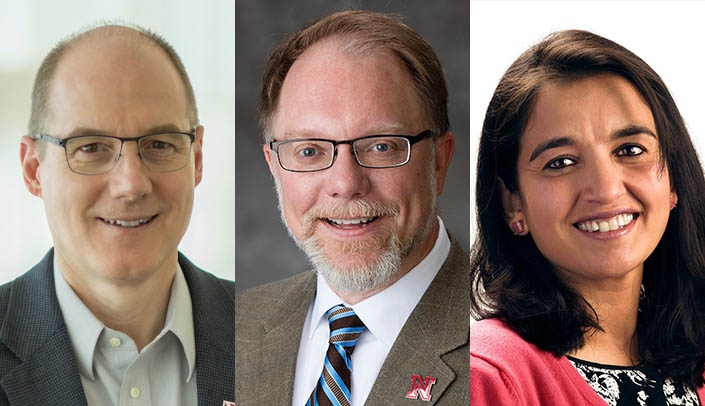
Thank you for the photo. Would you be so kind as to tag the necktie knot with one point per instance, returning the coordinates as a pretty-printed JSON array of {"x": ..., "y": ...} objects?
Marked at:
[
  {"x": 333, "y": 387},
  {"x": 345, "y": 327}
]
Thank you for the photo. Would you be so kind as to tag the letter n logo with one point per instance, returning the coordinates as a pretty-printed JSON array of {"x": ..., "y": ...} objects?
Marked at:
[{"x": 421, "y": 387}]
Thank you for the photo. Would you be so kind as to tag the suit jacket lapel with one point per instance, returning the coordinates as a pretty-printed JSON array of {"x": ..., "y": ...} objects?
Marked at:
[
  {"x": 268, "y": 343},
  {"x": 35, "y": 332},
  {"x": 433, "y": 341},
  {"x": 213, "y": 319}
]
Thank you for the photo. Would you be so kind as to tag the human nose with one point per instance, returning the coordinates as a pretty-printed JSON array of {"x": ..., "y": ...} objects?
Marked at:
[
  {"x": 604, "y": 182},
  {"x": 346, "y": 178},
  {"x": 129, "y": 178}
]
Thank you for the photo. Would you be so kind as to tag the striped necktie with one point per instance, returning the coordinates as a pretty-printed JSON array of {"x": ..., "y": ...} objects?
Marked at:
[{"x": 333, "y": 388}]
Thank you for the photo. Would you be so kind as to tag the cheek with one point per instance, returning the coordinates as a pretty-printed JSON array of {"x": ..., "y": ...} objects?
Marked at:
[
  {"x": 541, "y": 203},
  {"x": 414, "y": 192},
  {"x": 296, "y": 196}
]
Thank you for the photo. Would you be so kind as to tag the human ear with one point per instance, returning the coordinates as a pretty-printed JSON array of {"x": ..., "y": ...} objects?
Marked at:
[
  {"x": 198, "y": 155},
  {"x": 513, "y": 212},
  {"x": 445, "y": 145},
  {"x": 268, "y": 156},
  {"x": 29, "y": 159}
]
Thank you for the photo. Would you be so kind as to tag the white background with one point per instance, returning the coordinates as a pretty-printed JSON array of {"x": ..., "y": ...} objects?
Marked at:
[
  {"x": 203, "y": 35},
  {"x": 668, "y": 35}
]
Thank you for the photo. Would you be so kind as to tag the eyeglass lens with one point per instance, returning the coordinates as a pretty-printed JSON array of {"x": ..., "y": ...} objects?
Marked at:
[
  {"x": 373, "y": 152},
  {"x": 99, "y": 154}
]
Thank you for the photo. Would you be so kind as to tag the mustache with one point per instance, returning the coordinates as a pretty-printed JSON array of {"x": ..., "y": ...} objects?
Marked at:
[{"x": 352, "y": 209}]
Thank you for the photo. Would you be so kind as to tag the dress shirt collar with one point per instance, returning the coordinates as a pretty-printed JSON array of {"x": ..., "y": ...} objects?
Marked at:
[
  {"x": 385, "y": 313},
  {"x": 84, "y": 328}
]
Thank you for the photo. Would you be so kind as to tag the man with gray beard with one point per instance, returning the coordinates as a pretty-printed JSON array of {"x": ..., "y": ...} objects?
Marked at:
[{"x": 355, "y": 122}]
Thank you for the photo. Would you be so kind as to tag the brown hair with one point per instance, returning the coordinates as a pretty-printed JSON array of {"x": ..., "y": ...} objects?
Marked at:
[
  {"x": 45, "y": 74},
  {"x": 362, "y": 31}
]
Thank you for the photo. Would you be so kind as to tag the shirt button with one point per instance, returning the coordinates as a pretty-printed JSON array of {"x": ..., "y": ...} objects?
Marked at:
[
  {"x": 115, "y": 342},
  {"x": 135, "y": 392}
]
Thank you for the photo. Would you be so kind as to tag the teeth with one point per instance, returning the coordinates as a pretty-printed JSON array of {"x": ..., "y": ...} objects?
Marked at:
[
  {"x": 124, "y": 223},
  {"x": 347, "y": 222},
  {"x": 606, "y": 225}
]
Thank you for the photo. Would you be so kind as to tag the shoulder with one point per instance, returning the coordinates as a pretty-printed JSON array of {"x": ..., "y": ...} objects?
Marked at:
[
  {"x": 489, "y": 334},
  {"x": 276, "y": 292},
  {"x": 5, "y": 292},
  {"x": 28, "y": 313},
  {"x": 204, "y": 285},
  {"x": 498, "y": 359},
  {"x": 34, "y": 286},
  {"x": 501, "y": 351},
  {"x": 268, "y": 304},
  {"x": 458, "y": 256},
  {"x": 505, "y": 366}
]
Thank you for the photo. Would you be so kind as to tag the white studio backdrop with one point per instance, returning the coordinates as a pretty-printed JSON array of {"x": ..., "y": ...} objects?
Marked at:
[
  {"x": 203, "y": 34},
  {"x": 668, "y": 35}
]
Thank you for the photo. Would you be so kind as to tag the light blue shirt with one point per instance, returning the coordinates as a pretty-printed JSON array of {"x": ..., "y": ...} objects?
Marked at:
[{"x": 113, "y": 372}]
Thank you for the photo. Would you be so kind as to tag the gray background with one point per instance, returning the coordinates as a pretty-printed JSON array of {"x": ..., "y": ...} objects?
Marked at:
[{"x": 264, "y": 250}]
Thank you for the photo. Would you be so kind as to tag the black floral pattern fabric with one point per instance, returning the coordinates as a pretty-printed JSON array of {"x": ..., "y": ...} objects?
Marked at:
[{"x": 639, "y": 385}]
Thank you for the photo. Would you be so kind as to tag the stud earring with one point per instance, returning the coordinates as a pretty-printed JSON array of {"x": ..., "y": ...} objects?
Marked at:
[{"x": 518, "y": 227}]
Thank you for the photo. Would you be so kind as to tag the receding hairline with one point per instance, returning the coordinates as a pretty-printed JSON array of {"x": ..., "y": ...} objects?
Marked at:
[
  {"x": 347, "y": 44},
  {"x": 130, "y": 35}
]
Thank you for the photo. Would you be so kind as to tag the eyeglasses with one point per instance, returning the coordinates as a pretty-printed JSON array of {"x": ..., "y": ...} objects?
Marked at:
[
  {"x": 97, "y": 154},
  {"x": 373, "y": 151}
]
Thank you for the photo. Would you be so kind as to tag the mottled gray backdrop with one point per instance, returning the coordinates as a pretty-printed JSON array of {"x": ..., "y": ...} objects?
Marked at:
[{"x": 264, "y": 250}]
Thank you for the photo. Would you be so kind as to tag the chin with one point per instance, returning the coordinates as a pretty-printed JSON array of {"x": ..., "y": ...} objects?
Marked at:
[
  {"x": 122, "y": 270},
  {"x": 352, "y": 269}
]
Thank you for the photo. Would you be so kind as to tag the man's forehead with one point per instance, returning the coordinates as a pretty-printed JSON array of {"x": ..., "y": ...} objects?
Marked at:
[
  {"x": 328, "y": 84},
  {"x": 126, "y": 76},
  {"x": 346, "y": 47}
]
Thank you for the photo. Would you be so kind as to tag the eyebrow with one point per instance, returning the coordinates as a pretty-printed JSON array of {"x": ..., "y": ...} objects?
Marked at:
[
  {"x": 161, "y": 128},
  {"x": 552, "y": 143},
  {"x": 566, "y": 141},
  {"x": 633, "y": 130}
]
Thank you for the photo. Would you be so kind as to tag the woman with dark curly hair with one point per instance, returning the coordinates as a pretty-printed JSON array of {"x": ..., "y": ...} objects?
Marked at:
[{"x": 588, "y": 268}]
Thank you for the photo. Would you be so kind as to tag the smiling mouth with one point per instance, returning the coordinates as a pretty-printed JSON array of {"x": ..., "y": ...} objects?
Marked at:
[
  {"x": 607, "y": 225},
  {"x": 351, "y": 223},
  {"x": 128, "y": 223}
]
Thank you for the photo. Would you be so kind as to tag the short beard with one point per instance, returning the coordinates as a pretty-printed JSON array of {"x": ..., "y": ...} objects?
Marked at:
[
  {"x": 361, "y": 276},
  {"x": 357, "y": 275}
]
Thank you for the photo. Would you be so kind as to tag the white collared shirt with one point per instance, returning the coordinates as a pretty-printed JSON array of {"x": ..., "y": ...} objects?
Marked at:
[
  {"x": 384, "y": 315},
  {"x": 113, "y": 372}
]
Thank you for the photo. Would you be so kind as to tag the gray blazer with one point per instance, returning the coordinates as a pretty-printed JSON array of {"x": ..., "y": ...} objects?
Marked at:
[
  {"x": 37, "y": 365},
  {"x": 433, "y": 342}
]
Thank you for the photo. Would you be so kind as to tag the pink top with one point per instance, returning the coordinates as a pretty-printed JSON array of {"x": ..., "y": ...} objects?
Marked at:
[{"x": 506, "y": 370}]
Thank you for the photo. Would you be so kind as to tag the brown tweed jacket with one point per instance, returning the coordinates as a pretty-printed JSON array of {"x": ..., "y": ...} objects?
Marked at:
[{"x": 433, "y": 342}]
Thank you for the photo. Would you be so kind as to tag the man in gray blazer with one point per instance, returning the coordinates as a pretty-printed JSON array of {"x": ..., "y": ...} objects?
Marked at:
[
  {"x": 356, "y": 134},
  {"x": 114, "y": 313}
]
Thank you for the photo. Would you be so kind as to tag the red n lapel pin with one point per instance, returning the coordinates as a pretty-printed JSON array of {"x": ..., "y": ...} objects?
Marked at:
[
  {"x": 421, "y": 387},
  {"x": 228, "y": 403}
]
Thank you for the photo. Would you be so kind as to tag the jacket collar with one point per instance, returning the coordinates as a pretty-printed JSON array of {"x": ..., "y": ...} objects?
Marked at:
[
  {"x": 34, "y": 331},
  {"x": 434, "y": 340},
  {"x": 214, "y": 319}
]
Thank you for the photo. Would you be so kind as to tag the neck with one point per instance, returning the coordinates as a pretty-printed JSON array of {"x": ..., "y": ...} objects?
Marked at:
[
  {"x": 617, "y": 311},
  {"x": 135, "y": 308}
]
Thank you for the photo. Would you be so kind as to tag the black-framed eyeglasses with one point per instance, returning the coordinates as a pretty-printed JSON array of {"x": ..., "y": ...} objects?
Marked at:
[
  {"x": 372, "y": 151},
  {"x": 98, "y": 154}
]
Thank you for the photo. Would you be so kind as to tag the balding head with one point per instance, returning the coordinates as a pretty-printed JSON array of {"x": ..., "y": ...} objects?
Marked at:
[{"x": 134, "y": 37}]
